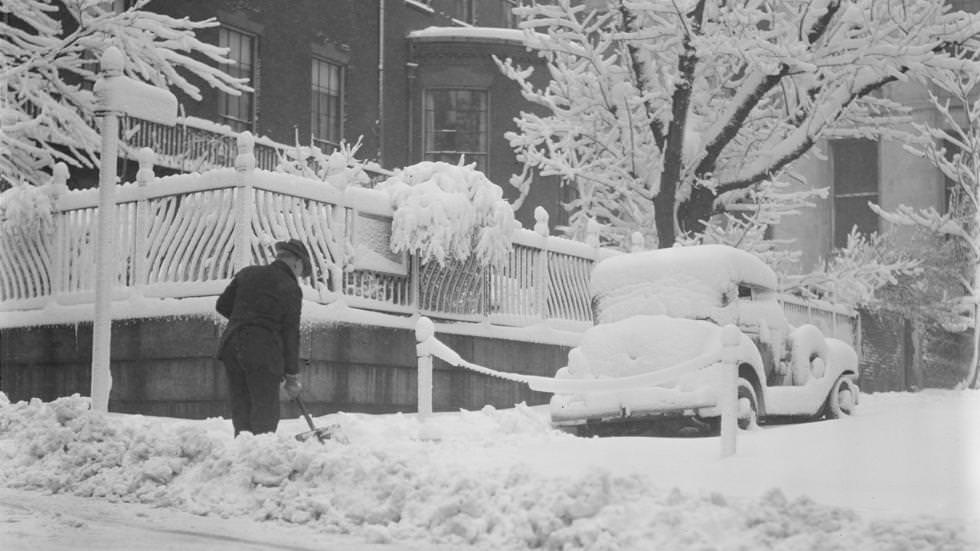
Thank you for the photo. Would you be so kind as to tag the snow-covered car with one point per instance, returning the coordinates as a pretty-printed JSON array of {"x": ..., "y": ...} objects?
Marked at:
[{"x": 655, "y": 347}]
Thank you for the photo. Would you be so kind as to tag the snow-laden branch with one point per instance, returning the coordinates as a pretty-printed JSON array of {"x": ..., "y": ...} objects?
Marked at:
[
  {"x": 48, "y": 65},
  {"x": 953, "y": 146},
  {"x": 856, "y": 273},
  {"x": 725, "y": 94}
]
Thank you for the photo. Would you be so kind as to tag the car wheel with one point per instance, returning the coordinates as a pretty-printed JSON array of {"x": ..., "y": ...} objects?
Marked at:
[
  {"x": 748, "y": 405},
  {"x": 843, "y": 398}
]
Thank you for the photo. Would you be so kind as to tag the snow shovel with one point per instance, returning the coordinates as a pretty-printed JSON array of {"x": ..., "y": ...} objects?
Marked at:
[{"x": 321, "y": 433}]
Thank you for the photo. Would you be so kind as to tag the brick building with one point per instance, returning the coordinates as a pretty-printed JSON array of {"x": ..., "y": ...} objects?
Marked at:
[{"x": 413, "y": 79}]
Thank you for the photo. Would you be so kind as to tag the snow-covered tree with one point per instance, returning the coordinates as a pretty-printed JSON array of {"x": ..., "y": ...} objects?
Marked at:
[
  {"x": 953, "y": 146},
  {"x": 747, "y": 216},
  {"x": 654, "y": 108},
  {"x": 49, "y": 53}
]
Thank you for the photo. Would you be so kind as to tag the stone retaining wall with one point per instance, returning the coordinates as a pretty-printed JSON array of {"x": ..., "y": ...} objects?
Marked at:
[{"x": 165, "y": 366}]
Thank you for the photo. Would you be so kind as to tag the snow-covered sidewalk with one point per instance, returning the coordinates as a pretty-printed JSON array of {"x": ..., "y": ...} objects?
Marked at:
[
  {"x": 901, "y": 474},
  {"x": 31, "y": 521}
]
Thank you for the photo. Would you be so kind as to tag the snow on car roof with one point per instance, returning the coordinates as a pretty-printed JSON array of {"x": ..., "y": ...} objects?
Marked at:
[{"x": 715, "y": 266}]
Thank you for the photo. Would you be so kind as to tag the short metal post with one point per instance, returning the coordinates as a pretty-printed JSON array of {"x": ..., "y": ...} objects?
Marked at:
[
  {"x": 728, "y": 398},
  {"x": 424, "y": 331}
]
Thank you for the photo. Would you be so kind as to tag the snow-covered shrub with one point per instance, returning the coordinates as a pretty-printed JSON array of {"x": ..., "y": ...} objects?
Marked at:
[
  {"x": 25, "y": 210},
  {"x": 447, "y": 211},
  {"x": 855, "y": 274},
  {"x": 747, "y": 214},
  {"x": 340, "y": 168}
]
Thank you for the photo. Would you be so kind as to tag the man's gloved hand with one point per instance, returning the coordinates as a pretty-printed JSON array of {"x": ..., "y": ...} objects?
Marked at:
[{"x": 292, "y": 385}]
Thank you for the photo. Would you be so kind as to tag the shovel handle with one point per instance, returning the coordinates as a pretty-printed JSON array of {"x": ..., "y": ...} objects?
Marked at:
[{"x": 306, "y": 414}]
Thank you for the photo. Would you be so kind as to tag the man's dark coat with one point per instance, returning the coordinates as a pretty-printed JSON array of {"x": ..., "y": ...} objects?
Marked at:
[{"x": 263, "y": 304}]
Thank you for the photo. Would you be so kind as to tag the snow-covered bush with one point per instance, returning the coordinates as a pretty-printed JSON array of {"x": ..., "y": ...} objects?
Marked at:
[
  {"x": 25, "y": 210},
  {"x": 857, "y": 272},
  {"x": 339, "y": 169},
  {"x": 748, "y": 214},
  {"x": 445, "y": 211}
]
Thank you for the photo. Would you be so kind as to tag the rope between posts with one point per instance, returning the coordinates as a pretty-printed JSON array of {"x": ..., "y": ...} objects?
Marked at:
[{"x": 515, "y": 377}]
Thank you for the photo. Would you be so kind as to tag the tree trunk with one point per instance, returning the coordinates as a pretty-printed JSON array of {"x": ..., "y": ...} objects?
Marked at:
[
  {"x": 695, "y": 212},
  {"x": 663, "y": 210}
]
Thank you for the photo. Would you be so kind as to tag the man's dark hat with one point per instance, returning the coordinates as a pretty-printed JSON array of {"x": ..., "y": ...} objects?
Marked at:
[{"x": 296, "y": 248}]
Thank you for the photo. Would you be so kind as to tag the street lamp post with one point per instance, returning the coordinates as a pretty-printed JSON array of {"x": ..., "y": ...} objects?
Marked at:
[{"x": 116, "y": 95}]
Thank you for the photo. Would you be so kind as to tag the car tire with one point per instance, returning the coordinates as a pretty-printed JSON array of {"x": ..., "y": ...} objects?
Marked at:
[
  {"x": 843, "y": 398},
  {"x": 748, "y": 405}
]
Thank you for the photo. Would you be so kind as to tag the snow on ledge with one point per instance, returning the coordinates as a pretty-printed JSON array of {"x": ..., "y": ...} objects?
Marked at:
[
  {"x": 338, "y": 312},
  {"x": 469, "y": 34}
]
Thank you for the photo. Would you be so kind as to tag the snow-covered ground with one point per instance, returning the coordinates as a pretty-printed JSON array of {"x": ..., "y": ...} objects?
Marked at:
[{"x": 902, "y": 474}]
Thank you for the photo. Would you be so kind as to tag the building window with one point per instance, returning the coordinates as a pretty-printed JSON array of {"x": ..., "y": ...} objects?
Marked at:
[
  {"x": 971, "y": 6},
  {"x": 456, "y": 125},
  {"x": 238, "y": 112},
  {"x": 326, "y": 111},
  {"x": 464, "y": 11},
  {"x": 855, "y": 184}
]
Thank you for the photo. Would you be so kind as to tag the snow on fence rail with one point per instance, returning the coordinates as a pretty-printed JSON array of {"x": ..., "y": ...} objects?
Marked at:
[{"x": 186, "y": 235}]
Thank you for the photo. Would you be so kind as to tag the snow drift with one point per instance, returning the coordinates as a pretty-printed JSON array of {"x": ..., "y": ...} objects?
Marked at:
[{"x": 486, "y": 482}]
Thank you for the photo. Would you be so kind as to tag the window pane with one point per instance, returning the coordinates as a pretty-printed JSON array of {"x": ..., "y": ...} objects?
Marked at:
[
  {"x": 236, "y": 111},
  {"x": 850, "y": 212},
  {"x": 855, "y": 166},
  {"x": 326, "y": 104},
  {"x": 455, "y": 124},
  {"x": 855, "y": 184}
]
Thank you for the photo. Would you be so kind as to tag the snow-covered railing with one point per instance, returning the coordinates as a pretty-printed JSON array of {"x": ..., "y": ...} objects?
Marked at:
[
  {"x": 833, "y": 320},
  {"x": 186, "y": 235},
  {"x": 193, "y": 144}
]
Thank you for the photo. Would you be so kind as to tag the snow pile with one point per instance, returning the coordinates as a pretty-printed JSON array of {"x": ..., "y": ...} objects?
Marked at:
[
  {"x": 488, "y": 481},
  {"x": 447, "y": 211}
]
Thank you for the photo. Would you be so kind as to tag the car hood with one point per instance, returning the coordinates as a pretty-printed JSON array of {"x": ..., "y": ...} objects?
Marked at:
[{"x": 641, "y": 344}]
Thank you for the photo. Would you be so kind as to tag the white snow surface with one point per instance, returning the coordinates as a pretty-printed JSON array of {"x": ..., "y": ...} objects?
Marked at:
[
  {"x": 899, "y": 475},
  {"x": 631, "y": 347},
  {"x": 682, "y": 282}
]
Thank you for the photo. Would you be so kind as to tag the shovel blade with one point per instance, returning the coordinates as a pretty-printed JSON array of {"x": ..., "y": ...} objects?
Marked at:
[{"x": 323, "y": 434}]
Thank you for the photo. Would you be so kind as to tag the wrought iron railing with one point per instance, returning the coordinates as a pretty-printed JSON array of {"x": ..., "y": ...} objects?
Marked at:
[
  {"x": 193, "y": 145},
  {"x": 186, "y": 235},
  {"x": 833, "y": 320}
]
